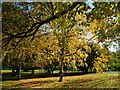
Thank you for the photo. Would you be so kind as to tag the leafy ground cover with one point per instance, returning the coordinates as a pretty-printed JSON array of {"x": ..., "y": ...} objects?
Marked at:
[{"x": 99, "y": 80}]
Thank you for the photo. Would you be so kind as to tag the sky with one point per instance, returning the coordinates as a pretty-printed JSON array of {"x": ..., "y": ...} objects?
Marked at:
[{"x": 90, "y": 3}]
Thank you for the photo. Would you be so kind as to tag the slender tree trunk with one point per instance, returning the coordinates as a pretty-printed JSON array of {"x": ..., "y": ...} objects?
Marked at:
[
  {"x": 66, "y": 68},
  {"x": 61, "y": 72},
  {"x": 19, "y": 73},
  {"x": 61, "y": 65},
  {"x": 13, "y": 70},
  {"x": 32, "y": 71},
  {"x": 62, "y": 45},
  {"x": 86, "y": 70}
]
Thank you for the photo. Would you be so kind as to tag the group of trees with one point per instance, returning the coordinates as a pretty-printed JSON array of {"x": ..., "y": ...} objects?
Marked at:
[
  {"x": 52, "y": 35},
  {"x": 114, "y": 62}
]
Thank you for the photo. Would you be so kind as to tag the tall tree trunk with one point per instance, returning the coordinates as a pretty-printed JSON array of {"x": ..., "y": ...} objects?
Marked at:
[
  {"x": 62, "y": 45},
  {"x": 19, "y": 73},
  {"x": 61, "y": 65},
  {"x": 61, "y": 72}
]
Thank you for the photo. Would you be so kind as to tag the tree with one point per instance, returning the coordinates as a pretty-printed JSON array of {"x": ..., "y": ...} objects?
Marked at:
[
  {"x": 23, "y": 57},
  {"x": 98, "y": 58},
  {"x": 61, "y": 43},
  {"x": 104, "y": 26},
  {"x": 114, "y": 62}
]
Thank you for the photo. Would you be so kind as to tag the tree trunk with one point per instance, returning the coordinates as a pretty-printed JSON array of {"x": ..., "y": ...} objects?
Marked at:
[
  {"x": 86, "y": 70},
  {"x": 13, "y": 71},
  {"x": 32, "y": 71},
  {"x": 52, "y": 71},
  {"x": 62, "y": 55},
  {"x": 61, "y": 72},
  {"x": 19, "y": 73}
]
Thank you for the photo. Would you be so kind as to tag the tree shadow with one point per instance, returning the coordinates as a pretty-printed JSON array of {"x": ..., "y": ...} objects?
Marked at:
[
  {"x": 28, "y": 84},
  {"x": 34, "y": 83},
  {"x": 90, "y": 83},
  {"x": 77, "y": 83}
]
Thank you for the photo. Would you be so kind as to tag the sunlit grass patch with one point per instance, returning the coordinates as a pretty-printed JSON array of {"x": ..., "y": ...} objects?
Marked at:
[
  {"x": 95, "y": 81},
  {"x": 6, "y": 71}
]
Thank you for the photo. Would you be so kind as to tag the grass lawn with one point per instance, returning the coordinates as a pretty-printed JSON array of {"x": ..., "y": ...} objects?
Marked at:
[{"x": 100, "y": 80}]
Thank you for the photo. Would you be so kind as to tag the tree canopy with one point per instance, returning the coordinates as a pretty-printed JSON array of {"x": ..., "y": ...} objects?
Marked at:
[{"x": 20, "y": 15}]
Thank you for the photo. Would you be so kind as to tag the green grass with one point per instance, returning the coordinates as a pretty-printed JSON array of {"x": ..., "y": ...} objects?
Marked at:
[
  {"x": 6, "y": 71},
  {"x": 36, "y": 71},
  {"x": 100, "y": 80}
]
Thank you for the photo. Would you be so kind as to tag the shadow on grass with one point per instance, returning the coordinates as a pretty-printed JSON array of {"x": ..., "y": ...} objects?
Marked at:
[
  {"x": 28, "y": 84},
  {"x": 105, "y": 82},
  {"x": 8, "y": 76},
  {"x": 33, "y": 83},
  {"x": 77, "y": 83}
]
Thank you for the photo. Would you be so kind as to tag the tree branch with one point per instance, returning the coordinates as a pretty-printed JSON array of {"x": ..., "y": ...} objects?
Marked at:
[
  {"x": 35, "y": 27},
  {"x": 38, "y": 24}
]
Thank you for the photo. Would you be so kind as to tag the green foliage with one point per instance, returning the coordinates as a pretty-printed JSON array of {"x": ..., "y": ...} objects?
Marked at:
[
  {"x": 72, "y": 66},
  {"x": 50, "y": 67},
  {"x": 114, "y": 62},
  {"x": 23, "y": 56},
  {"x": 98, "y": 58}
]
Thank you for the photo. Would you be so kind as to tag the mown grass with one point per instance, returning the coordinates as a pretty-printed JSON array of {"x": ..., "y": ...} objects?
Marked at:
[
  {"x": 100, "y": 80},
  {"x": 6, "y": 71},
  {"x": 36, "y": 71}
]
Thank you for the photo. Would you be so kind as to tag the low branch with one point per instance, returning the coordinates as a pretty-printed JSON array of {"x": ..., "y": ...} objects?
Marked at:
[{"x": 35, "y": 27}]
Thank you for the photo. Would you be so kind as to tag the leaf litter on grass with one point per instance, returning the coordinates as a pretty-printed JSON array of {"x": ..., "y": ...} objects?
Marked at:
[{"x": 82, "y": 81}]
